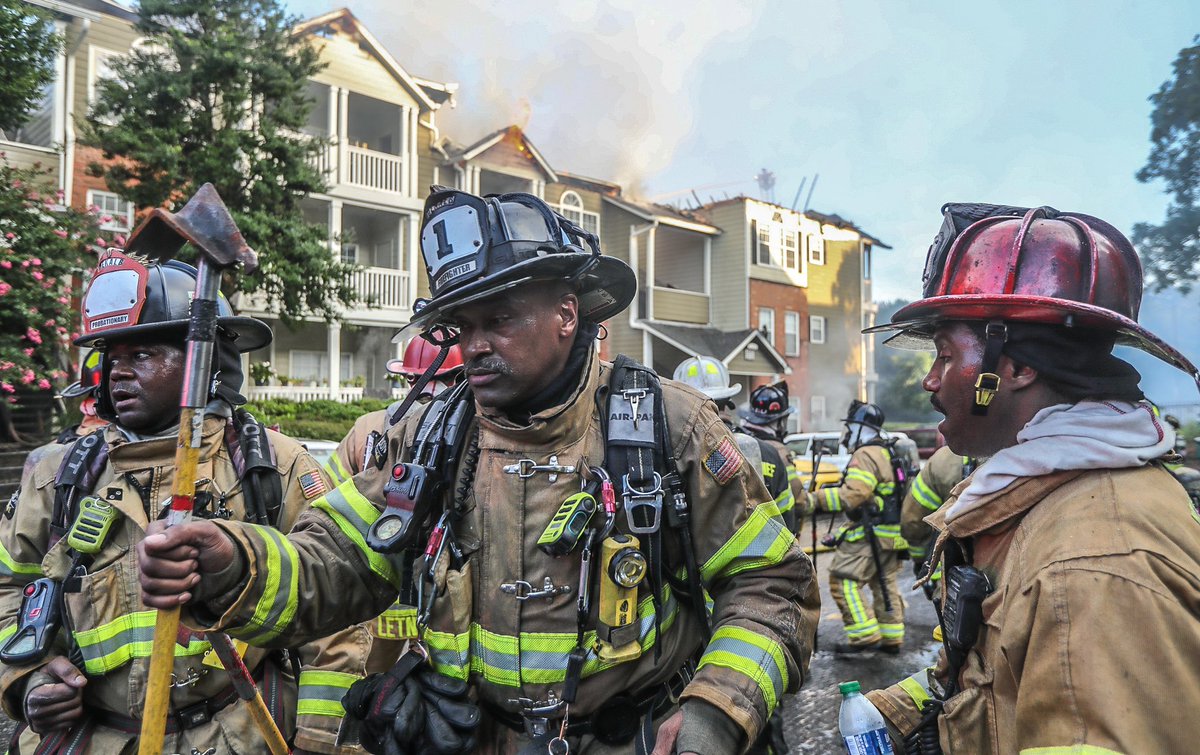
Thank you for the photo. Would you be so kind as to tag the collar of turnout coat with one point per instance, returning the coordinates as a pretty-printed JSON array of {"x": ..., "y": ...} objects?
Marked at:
[{"x": 1001, "y": 509}]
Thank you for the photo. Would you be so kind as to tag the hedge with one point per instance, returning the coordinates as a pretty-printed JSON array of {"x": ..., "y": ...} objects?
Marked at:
[{"x": 320, "y": 419}]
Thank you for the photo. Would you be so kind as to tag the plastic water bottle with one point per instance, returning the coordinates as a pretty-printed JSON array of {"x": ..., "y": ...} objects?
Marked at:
[{"x": 863, "y": 729}]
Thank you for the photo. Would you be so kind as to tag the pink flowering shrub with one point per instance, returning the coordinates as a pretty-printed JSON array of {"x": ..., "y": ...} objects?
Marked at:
[{"x": 45, "y": 249}]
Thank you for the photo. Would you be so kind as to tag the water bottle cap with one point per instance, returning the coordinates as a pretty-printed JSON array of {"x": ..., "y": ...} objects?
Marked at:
[{"x": 847, "y": 688}]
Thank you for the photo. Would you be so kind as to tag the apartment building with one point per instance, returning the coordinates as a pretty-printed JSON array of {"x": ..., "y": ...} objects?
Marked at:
[{"x": 802, "y": 280}]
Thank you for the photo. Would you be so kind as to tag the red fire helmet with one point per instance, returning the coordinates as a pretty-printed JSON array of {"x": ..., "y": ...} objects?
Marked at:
[
  {"x": 419, "y": 354},
  {"x": 992, "y": 263}
]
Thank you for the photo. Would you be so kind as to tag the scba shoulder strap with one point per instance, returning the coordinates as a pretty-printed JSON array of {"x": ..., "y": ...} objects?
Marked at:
[{"x": 640, "y": 457}]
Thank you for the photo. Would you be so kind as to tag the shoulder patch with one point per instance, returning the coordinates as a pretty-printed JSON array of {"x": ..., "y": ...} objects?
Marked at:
[
  {"x": 723, "y": 461},
  {"x": 312, "y": 484},
  {"x": 10, "y": 508}
]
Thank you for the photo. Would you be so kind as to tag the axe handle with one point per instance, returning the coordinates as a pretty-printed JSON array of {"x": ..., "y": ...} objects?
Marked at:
[{"x": 243, "y": 684}]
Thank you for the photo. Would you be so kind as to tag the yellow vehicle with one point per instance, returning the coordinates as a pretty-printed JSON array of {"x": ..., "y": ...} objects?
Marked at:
[{"x": 834, "y": 457}]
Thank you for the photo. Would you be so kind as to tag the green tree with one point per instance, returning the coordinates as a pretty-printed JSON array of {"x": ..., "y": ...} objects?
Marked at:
[
  {"x": 218, "y": 93},
  {"x": 43, "y": 248},
  {"x": 899, "y": 392},
  {"x": 1171, "y": 251},
  {"x": 28, "y": 45}
]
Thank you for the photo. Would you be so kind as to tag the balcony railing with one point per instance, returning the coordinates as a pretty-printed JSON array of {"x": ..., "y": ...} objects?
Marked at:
[
  {"x": 374, "y": 170},
  {"x": 380, "y": 287},
  {"x": 308, "y": 392}
]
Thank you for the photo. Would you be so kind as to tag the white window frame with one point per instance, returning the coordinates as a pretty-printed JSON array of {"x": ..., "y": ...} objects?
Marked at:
[
  {"x": 766, "y": 316},
  {"x": 816, "y": 249},
  {"x": 791, "y": 333},
  {"x": 794, "y": 419},
  {"x": 101, "y": 199},
  {"x": 866, "y": 262},
  {"x": 817, "y": 411},
  {"x": 762, "y": 245},
  {"x": 791, "y": 250},
  {"x": 817, "y": 325},
  {"x": 98, "y": 57},
  {"x": 570, "y": 204}
]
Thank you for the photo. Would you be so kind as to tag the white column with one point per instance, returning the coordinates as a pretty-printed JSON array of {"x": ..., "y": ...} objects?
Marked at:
[
  {"x": 343, "y": 116},
  {"x": 414, "y": 119},
  {"x": 650, "y": 239},
  {"x": 708, "y": 274},
  {"x": 335, "y": 359},
  {"x": 406, "y": 155},
  {"x": 335, "y": 227}
]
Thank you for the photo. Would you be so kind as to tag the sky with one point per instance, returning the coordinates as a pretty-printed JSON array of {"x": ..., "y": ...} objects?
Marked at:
[{"x": 898, "y": 107}]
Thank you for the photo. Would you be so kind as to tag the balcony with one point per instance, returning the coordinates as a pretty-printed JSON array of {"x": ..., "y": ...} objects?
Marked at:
[
  {"x": 677, "y": 305},
  {"x": 383, "y": 296}
]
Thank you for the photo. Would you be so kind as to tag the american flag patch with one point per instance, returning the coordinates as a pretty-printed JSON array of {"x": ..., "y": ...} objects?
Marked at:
[
  {"x": 724, "y": 461},
  {"x": 312, "y": 484}
]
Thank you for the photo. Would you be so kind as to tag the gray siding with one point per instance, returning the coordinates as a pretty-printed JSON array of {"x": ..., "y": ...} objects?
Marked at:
[{"x": 729, "y": 251}]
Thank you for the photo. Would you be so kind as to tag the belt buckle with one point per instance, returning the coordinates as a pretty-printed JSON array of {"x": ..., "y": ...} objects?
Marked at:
[{"x": 194, "y": 715}]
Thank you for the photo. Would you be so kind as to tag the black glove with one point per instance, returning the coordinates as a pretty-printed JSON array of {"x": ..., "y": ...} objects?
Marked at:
[
  {"x": 374, "y": 701},
  {"x": 413, "y": 710},
  {"x": 918, "y": 567},
  {"x": 830, "y": 540},
  {"x": 450, "y": 718},
  {"x": 856, "y": 513}
]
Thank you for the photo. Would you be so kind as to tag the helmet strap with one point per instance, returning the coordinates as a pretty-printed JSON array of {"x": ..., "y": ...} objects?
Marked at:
[{"x": 988, "y": 382}]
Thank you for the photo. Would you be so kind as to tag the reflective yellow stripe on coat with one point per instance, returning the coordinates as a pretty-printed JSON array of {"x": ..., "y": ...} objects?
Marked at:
[
  {"x": 115, "y": 643},
  {"x": 321, "y": 693}
]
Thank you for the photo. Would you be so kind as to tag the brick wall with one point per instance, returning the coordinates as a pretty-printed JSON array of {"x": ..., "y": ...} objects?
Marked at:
[{"x": 783, "y": 298}]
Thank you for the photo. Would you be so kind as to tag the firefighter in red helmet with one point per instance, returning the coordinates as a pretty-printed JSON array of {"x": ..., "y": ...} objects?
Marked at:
[{"x": 1071, "y": 544}]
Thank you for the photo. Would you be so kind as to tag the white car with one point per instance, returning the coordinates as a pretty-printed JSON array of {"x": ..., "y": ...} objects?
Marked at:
[{"x": 828, "y": 445}]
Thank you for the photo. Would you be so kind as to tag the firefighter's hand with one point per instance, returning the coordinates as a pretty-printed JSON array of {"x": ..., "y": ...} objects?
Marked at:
[
  {"x": 54, "y": 697},
  {"x": 664, "y": 744},
  {"x": 193, "y": 561}
]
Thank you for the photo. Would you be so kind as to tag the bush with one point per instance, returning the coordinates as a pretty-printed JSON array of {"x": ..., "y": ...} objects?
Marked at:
[{"x": 320, "y": 419}]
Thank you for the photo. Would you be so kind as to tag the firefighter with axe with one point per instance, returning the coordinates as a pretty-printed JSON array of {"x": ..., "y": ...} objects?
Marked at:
[{"x": 80, "y": 650}]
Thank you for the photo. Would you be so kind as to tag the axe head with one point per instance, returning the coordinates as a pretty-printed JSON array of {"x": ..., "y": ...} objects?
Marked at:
[{"x": 204, "y": 222}]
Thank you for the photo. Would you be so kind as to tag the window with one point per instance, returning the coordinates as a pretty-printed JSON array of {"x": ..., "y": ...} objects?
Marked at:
[
  {"x": 350, "y": 254},
  {"x": 101, "y": 68},
  {"x": 866, "y": 262},
  {"x": 109, "y": 205},
  {"x": 761, "y": 235},
  {"x": 816, "y": 408},
  {"x": 816, "y": 249},
  {"x": 816, "y": 329},
  {"x": 766, "y": 323},
  {"x": 791, "y": 333},
  {"x": 791, "y": 250},
  {"x": 570, "y": 204},
  {"x": 793, "y": 420},
  {"x": 313, "y": 366}
]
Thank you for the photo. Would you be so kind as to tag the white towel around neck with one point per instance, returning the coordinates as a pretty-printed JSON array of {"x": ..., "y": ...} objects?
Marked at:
[{"x": 1086, "y": 435}]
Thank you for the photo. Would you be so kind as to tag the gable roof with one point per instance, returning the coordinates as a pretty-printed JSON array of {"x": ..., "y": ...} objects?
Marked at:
[
  {"x": 665, "y": 215},
  {"x": 722, "y": 344},
  {"x": 512, "y": 133},
  {"x": 345, "y": 20}
]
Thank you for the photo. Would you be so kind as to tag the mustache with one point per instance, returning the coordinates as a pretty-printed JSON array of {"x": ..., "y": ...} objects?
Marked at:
[
  {"x": 936, "y": 404},
  {"x": 486, "y": 364}
]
